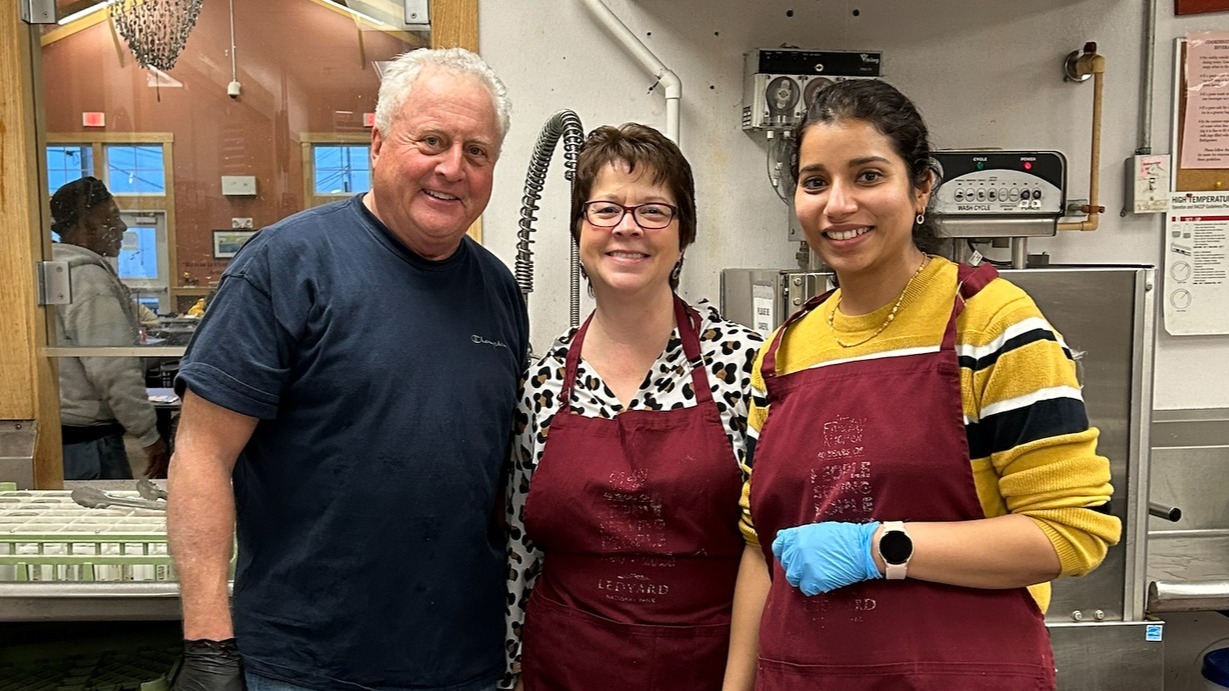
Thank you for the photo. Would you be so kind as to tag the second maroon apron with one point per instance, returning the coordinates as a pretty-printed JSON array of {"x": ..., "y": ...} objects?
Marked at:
[
  {"x": 638, "y": 518},
  {"x": 882, "y": 439}
]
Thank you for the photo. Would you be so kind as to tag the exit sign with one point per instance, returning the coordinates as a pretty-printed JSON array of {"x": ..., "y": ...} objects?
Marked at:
[
  {"x": 369, "y": 119},
  {"x": 93, "y": 119}
]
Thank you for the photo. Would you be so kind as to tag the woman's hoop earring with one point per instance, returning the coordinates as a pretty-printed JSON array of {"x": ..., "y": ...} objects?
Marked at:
[
  {"x": 678, "y": 268},
  {"x": 921, "y": 218}
]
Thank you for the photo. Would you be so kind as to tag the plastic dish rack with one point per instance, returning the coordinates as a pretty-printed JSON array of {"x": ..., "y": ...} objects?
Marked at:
[{"x": 46, "y": 536}]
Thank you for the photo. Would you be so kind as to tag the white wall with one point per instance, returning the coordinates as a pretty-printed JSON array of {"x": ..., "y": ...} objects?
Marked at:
[{"x": 985, "y": 74}]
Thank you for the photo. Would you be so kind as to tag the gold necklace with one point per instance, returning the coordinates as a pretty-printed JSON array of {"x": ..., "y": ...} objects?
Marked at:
[{"x": 891, "y": 315}]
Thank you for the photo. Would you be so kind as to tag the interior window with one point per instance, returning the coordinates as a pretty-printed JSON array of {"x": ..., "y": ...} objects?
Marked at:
[
  {"x": 135, "y": 169},
  {"x": 67, "y": 163},
  {"x": 341, "y": 169}
]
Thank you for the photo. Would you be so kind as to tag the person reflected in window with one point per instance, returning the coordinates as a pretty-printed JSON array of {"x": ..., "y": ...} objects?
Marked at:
[{"x": 101, "y": 398}]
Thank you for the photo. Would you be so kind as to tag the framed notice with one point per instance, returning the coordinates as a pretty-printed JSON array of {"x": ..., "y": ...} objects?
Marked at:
[
  {"x": 226, "y": 243},
  {"x": 1201, "y": 113},
  {"x": 1195, "y": 282}
]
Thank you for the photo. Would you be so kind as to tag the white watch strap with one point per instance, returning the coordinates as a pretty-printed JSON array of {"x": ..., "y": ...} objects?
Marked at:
[{"x": 894, "y": 572}]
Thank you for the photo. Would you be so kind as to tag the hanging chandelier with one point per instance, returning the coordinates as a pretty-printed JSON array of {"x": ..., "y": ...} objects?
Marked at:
[{"x": 155, "y": 30}]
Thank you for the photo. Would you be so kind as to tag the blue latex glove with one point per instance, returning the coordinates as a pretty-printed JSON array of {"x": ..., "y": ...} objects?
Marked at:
[{"x": 821, "y": 557}]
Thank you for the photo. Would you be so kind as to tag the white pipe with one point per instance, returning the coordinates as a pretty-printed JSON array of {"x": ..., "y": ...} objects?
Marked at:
[
  {"x": 669, "y": 80},
  {"x": 234, "y": 66}
]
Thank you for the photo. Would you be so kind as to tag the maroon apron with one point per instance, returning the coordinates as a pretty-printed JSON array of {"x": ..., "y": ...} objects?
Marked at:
[
  {"x": 882, "y": 439},
  {"x": 638, "y": 518}
]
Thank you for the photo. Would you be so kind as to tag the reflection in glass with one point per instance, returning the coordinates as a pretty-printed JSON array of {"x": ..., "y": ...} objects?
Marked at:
[
  {"x": 306, "y": 76},
  {"x": 293, "y": 129}
]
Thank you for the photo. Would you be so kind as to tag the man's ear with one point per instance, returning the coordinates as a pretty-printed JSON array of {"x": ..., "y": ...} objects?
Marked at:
[{"x": 377, "y": 142}]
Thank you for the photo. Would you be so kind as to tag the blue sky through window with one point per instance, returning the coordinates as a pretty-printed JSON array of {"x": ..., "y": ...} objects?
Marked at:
[
  {"x": 135, "y": 169},
  {"x": 138, "y": 255},
  {"x": 66, "y": 163},
  {"x": 341, "y": 168}
]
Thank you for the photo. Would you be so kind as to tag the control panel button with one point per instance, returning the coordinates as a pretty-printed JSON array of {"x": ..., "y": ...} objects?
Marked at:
[
  {"x": 1026, "y": 194},
  {"x": 993, "y": 195},
  {"x": 981, "y": 195},
  {"x": 1037, "y": 194},
  {"x": 959, "y": 196},
  {"x": 1014, "y": 195},
  {"x": 1002, "y": 194}
]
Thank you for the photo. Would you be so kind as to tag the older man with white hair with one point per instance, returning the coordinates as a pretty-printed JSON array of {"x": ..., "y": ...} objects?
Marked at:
[{"x": 355, "y": 377}]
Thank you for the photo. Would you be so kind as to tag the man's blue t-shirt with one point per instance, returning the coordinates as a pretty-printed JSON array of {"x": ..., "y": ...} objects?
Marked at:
[{"x": 385, "y": 386}]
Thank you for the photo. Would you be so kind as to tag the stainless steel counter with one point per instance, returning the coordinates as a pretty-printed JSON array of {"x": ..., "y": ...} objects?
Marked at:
[{"x": 88, "y": 601}]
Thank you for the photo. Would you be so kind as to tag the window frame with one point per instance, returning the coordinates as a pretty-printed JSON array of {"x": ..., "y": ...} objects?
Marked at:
[
  {"x": 106, "y": 160},
  {"x": 47, "y": 160},
  {"x": 309, "y": 141},
  {"x": 98, "y": 141}
]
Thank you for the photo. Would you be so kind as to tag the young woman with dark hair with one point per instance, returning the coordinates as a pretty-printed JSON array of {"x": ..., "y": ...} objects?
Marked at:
[{"x": 923, "y": 464}]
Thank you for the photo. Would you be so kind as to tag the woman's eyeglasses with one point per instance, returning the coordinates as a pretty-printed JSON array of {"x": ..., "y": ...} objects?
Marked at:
[{"x": 651, "y": 216}]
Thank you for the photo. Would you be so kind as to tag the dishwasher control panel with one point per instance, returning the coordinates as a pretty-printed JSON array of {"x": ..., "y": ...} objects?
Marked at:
[{"x": 1001, "y": 183}]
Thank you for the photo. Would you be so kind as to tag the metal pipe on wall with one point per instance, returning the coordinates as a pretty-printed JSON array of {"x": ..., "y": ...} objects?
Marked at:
[
  {"x": 1145, "y": 93},
  {"x": 1092, "y": 63},
  {"x": 670, "y": 82}
]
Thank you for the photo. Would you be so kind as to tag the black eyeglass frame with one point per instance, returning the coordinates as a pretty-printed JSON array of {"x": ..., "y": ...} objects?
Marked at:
[{"x": 674, "y": 214}]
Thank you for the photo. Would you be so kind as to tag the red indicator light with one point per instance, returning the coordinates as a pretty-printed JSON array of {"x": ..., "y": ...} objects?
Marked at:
[
  {"x": 93, "y": 119},
  {"x": 1028, "y": 165}
]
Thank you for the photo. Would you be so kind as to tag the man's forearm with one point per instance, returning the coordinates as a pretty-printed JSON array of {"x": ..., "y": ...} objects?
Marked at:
[
  {"x": 201, "y": 527},
  {"x": 201, "y": 512}
]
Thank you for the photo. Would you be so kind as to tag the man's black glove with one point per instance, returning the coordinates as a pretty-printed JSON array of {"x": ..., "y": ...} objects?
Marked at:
[{"x": 210, "y": 666}]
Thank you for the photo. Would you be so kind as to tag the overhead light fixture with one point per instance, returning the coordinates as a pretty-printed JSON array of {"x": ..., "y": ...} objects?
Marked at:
[
  {"x": 81, "y": 14},
  {"x": 341, "y": 5}
]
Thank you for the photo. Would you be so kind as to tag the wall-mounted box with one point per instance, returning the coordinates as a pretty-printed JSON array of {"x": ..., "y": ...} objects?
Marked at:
[
  {"x": 239, "y": 185},
  {"x": 42, "y": 11}
]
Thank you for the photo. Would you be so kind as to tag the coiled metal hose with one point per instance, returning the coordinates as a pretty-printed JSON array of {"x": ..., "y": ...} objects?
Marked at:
[{"x": 565, "y": 124}]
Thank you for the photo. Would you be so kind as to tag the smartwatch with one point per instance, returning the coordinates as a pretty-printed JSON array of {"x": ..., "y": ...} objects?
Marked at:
[{"x": 896, "y": 548}]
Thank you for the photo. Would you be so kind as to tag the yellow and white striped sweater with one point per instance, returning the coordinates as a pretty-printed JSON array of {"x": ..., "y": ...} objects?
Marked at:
[{"x": 1033, "y": 452}]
